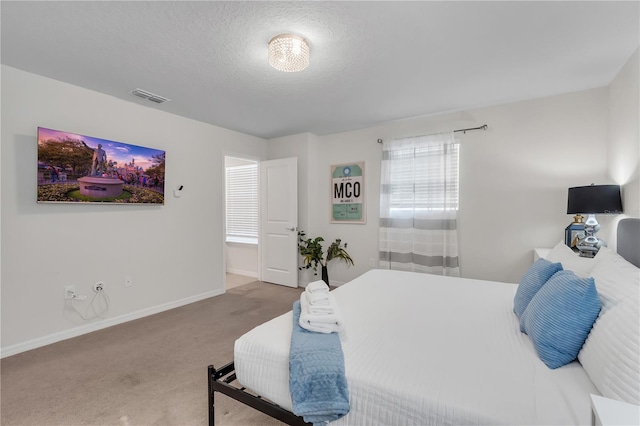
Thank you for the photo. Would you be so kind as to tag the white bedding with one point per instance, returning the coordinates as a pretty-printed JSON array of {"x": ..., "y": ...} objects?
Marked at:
[{"x": 424, "y": 349}]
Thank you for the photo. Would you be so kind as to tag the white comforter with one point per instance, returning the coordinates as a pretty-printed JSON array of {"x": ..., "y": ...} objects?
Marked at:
[{"x": 423, "y": 349}]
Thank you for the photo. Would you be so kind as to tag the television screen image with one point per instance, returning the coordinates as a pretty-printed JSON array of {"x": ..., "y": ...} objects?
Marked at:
[{"x": 74, "y": 168}]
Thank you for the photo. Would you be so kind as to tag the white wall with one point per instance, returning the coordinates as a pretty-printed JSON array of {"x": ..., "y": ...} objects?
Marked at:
[
  {"x": 242, "y": 259},
  {"x": 174, "y": 252},
  {"x": 624, "y": 138},
  {"x": 514, "y": 179}
]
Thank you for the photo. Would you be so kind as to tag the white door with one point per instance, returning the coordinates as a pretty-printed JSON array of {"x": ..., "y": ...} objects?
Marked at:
[{"x": 279, "y": 221}]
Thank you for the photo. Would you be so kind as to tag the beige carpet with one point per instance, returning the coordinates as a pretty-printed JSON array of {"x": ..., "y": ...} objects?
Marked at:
[{"x": 151, "y": 371}]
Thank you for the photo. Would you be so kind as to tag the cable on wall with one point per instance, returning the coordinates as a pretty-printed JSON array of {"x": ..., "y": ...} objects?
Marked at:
[
  {"x": 99, "y": 304},
  {"x": 464, "y": 131}
]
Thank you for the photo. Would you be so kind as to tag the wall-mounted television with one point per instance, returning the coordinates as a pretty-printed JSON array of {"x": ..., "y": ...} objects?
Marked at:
[{"x": 75, "y": 168}]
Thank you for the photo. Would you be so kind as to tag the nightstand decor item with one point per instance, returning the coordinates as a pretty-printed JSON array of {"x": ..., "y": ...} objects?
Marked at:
[
  {"x": 574, "y": 232},
  {"x": 592, "y": 200}
]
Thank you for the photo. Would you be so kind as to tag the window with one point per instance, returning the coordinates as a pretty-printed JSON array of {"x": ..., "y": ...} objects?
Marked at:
[
  {"x": 419, "y": 204},
  {"x": 242, "y": 200},
  {"x": 423, "y": 178}
]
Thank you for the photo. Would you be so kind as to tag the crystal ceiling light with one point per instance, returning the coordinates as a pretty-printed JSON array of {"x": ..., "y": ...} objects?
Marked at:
[{"x": 288, "y": 53}]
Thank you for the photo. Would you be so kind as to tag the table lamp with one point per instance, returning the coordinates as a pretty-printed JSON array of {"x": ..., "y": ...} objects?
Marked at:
[{"x": 592, "y": 200}]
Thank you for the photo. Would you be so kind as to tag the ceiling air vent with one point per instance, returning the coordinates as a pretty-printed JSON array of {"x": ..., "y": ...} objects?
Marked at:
[{"x": 150, "y": 96}]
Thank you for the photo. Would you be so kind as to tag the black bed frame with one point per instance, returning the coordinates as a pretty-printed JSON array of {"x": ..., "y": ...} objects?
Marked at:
[{"x": 220, "y": 381}]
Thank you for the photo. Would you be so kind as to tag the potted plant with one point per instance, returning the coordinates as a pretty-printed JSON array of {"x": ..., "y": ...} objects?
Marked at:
[{"x": 313, "y": 254}]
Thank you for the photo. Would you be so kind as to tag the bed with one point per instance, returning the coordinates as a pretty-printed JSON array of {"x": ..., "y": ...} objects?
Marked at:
[{"x": 424, "y": 349}]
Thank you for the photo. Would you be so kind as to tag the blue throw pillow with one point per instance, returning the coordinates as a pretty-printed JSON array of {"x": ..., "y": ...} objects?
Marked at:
[
  {"x": 560, "y": 316},
  {"x": 532, "y": 281}
]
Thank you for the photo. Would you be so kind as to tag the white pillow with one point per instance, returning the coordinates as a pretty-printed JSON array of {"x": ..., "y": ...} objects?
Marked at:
[
  {"x": 616, "y": 279},
  {"x": 611, "y": 353},
  {"x": 581, "y": 266}
]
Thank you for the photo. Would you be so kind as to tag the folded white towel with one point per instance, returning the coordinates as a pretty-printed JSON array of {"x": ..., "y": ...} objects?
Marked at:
[
  {"x": 320, "y": 298},
  {"x": 317, "y": 287},
  {"x": 327, "y": 308},
  {"x": 321, "y": 328},
  {"x": 327, "y": 323}
]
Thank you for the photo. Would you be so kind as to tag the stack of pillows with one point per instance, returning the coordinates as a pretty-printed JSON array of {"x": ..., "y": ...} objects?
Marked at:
[{"x": 586, "y": 309}]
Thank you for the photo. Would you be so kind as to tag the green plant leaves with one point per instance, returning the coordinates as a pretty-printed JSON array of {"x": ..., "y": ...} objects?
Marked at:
[{"x": 313, "y": 254}]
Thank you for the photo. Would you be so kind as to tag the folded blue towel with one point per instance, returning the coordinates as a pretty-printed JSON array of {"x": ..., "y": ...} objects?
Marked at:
[{"x": 316, "y": 374}]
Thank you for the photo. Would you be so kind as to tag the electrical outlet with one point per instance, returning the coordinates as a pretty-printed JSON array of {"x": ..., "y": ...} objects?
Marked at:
[
  {"x": 372, "y": 262},
  {"x": 128, "y": 281},
  {"x": 69, "y": 291},
  {"x": 98, "y": 287}
]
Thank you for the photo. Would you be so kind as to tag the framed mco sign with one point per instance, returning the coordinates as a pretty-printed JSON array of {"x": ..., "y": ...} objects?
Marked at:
[{"x": 347, "y": 193}]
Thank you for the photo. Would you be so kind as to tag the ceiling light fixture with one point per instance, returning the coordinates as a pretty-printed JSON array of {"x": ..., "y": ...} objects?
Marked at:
[{"x": 288, "y": 53}]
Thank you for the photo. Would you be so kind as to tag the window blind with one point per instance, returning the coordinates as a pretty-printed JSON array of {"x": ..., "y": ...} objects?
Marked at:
[
  {"x": 242, "y": 203},
  {"x": 419, "y": 204},
  {"x": 423, "y": 178}
]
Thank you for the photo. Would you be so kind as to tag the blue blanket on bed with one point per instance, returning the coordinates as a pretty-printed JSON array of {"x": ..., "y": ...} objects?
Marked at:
[{"x": 316, "y": 374}]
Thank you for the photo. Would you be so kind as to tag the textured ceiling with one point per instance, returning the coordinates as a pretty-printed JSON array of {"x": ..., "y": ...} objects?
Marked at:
[{"x": 371, "y": 62}]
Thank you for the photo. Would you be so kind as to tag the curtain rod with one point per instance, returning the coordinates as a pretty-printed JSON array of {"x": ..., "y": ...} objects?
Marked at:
[{"x": 483, "y": 127}]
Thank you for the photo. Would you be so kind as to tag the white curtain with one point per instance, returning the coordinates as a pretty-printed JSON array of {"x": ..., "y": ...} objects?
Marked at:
[{"x": 419, "y": 204}]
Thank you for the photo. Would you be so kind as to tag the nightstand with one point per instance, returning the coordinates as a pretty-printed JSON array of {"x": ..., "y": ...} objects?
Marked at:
[
  {"x": 540, "y": 253},
  {"x": 605, "y": 411}
]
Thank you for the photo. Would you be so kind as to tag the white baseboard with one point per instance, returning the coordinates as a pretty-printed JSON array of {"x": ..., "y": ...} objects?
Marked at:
[
  {"x": 252, "y": 274},
  {"x": 108, "y": 322}
]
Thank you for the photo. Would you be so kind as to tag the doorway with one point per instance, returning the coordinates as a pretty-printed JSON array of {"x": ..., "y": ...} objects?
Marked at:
[{"x": 241, "y": 221}]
